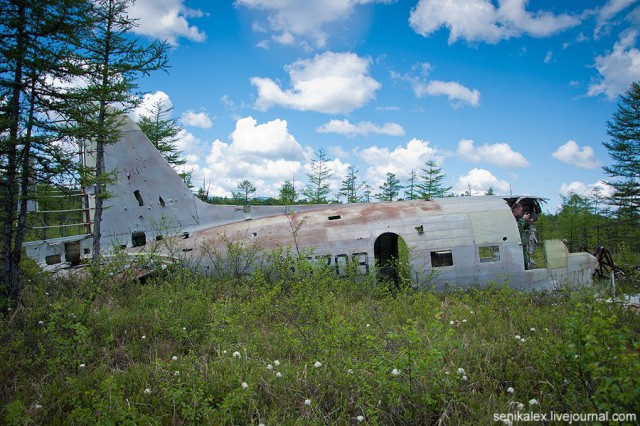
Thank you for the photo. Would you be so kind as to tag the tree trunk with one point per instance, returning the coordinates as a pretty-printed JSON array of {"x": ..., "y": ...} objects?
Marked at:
[{"x": 9, "y": 268}]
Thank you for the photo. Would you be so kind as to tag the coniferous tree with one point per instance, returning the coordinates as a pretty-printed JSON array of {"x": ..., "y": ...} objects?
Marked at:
[
  {"x": 390, "y": 189},
  {"x": 113, "y": 60},
  {"x": 366, "y": 193},
  {"x": 349, "y": 188},
  {"x": 624, "y": 150},
  {"x": 162, "y": 130},
  {"x": 36, "y": 44},
  {"x": 411, "y": 192},
  {"x": 318, "y": 188},
  {"x": 287, "y": 194},
  {"x": 432, "y": 181}
]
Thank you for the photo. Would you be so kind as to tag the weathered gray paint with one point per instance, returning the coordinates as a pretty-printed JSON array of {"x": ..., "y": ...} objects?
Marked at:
[{"x": 150, "y": 197}]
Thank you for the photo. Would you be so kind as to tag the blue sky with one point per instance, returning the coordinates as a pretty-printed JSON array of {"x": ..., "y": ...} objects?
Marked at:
[{"x": 510, "y": 94}]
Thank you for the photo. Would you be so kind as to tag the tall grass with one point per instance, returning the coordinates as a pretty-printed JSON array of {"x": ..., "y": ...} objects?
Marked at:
[{"x": 307, "y": 347}]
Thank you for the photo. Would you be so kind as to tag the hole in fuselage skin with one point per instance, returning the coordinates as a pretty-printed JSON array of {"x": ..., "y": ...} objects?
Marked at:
[{"x": 138, "y": 196}]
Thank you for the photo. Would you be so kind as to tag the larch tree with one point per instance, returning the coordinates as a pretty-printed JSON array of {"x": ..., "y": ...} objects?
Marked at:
[
  {"x": 318, "y": 188},
  {"x": 162, "y": 130},
  {"x": 431, "y": 185},
  {"x": 624, "y": 150},
  {"x": 349, "y": 188},
  {"x": 411, "y": 192},
  {"x": 36, "y": 44},
  {"x": 390, "y": 189},
  {"x": 287, "y": 194},
  {"x": 113, "y": 60}
]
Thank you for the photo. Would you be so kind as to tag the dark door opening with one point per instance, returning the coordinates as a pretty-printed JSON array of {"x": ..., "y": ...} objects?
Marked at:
[{"x": 387, "y": 256}]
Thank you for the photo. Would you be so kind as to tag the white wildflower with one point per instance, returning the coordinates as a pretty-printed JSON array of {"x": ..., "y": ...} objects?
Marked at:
[
  {"x": 518, "y": 337},
  {"x": 349, "y": 371},
  {"x": 82, "y": 366},
  {"x": 360, "y": 418},
  {"x": 368, "y": 325},
  {"x": 452, "y": 322},
  {"x": 461, "y": 371},
  {"x": 510, "y": 390},
  {"x": 307, "y": 402},
  {"x": 318, "y": 364},
  {"x": 532, "y": 329},
  {"x": 41, "y": 322},
  {"x": 176, "y": 373},
  {"x": 533, "y": 402},
  {"x": 147, "y": 391},
  {"x": 245, "y": 386},
  {"x": 236, "y": 354},
  {"x": 395, "y": 372},
  {"x": 37, "y": 406},
  {"x": 278, "y": 374},
  {"x": 144, "y": 337},
  {"x": 507, "y": 422},
  {"x": 522, "y": 340},
  {"x": 269, "y": 367},
  {"x": 465, "y": 378},
  {"x": 276, "y": 362},
  {"x": 174, "y": 358},
  {"x": 464, "y": 320},
  {"x": 520, "y": 406}
]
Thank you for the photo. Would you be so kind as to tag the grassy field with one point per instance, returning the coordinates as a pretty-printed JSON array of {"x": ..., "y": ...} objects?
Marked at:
[{"x": 309, "y": 348}]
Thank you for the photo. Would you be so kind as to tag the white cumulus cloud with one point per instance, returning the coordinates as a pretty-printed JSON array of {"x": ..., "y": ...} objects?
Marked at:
[
  {"x": 196, "y": 119},
  {"x": 332, "y": 83},
  {"x": 166, "y": 20},
  {"x": 149, "y": 103},
  {"x": 457, "y": 93},
  {"x": 571, "y": 153},
  {"x": 344, "y": 127},
  {"x": 617, "y": 69},
  {"x": 264, "y": 154},
  {"x": 586, "y": 190},
  {"x": 400, "y": 161},
  {"x": 295, "y": 21},
  {"x": 499, "y": 154},
  {"x": 481, "y": 20},
  {"x": 478, "y": 181}
]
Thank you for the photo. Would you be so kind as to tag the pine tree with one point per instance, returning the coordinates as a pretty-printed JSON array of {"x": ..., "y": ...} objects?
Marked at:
[
  {"x": 318, "y": 187},
  {"x": 624, "y": 150},
  {"x": 244, "y": 191},
  {"x": 432, "y": 178},
  {"x": 390, "y": 189}
]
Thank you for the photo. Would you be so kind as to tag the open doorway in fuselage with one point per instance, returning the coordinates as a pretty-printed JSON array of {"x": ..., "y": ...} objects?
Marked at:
[{"x": 391, "y": 256}]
